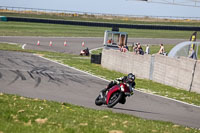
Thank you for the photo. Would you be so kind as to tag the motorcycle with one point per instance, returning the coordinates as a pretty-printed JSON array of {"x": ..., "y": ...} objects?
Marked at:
[{"x": 116, "y": 94}]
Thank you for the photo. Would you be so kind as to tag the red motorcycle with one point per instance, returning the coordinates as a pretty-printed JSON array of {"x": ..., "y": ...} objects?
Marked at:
[{"x": 116, "y": 94}]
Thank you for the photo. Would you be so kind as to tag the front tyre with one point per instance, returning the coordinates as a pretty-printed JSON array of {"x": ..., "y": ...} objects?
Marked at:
[
  {"x": 98, "y": 101},
  {"x": 114, "y": 99}
]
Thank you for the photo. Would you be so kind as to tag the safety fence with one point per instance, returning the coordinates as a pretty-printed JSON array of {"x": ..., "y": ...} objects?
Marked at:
[{"x": 177, "y": 72}]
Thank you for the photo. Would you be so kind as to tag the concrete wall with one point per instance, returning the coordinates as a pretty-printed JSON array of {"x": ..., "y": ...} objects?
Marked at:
[
  {"x": 173, "y": 72},
  {"x": 126, "y": 62},
  {"x": 196, "y": 80},
  {"x": 162, "y": 69}
]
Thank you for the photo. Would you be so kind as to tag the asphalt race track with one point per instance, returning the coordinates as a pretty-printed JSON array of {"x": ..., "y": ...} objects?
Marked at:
[
  {"x": 32, "y": 76},
  {"x": 74, "y": 44}
]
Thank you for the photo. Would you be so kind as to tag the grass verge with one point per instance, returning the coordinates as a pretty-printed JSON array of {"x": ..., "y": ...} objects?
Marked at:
[
  {"x": 141, "y": 84},
  {"x": 25, "y": 115},
  {"x": 57, "y": 30}
]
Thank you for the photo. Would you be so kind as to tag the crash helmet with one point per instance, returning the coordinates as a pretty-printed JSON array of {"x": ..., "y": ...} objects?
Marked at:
[{"x": 131, "y": 77}]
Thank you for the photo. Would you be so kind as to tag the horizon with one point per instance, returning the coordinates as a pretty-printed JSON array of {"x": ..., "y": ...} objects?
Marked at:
[{"x": 92, "y": 13}]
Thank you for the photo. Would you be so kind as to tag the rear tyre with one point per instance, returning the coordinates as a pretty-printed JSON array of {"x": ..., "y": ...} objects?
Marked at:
[
  {"x": 114, "y": 99},
  {"x": 123, "y": 100},
  {"x": 98, "y": 101}
]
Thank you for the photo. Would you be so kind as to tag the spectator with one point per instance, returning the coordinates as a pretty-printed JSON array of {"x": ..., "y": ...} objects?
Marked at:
[
  {"x": 139, "y": 49},
  {"x": 123, "y": 49},
  {"x": 120, "y": 48},
  {"x": 135, "y": 48},
  {"x": 147, "y": 51},
  {"x": 193, "y": 54},
  {"x": 109, "y": 41},
  {"x": 126, "y": 47},
  {"x": 85, "y": 52},
  {"x": 133, "y": 45},
  {"x": 162, "y": 50}
]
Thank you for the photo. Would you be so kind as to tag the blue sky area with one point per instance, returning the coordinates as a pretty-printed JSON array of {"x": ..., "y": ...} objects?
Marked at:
[{"x": 108, "y": 6}]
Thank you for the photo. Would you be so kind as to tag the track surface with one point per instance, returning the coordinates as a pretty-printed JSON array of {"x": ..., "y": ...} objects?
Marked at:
[
  {"x": 74, "y": 43},
  {"x": 29, "y": 75}
]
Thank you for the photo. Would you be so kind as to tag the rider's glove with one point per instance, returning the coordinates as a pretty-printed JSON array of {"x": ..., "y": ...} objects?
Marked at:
[{"x": 116, "y": 81}]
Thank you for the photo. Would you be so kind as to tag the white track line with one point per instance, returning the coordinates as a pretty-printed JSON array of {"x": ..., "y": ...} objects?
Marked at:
[
  {"x": 109, "y": 81},
  {"x": 10, "y": 43},
  {"x": 23, "y": 46},
  {"x": 71, "y": 67}
]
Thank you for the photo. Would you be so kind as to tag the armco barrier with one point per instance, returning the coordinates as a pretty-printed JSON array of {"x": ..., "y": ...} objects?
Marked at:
[
  {"x": 177, "y": 72},
  {"x": 98, "y": 24},
  {"x": 3, "y": 18}
]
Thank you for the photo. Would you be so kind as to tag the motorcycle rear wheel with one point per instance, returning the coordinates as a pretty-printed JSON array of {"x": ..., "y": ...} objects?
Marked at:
[{"x": 114, "y": 99}]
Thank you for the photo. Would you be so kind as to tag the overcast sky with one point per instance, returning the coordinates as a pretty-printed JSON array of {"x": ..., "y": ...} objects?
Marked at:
[{"x": 108, "y": 6}]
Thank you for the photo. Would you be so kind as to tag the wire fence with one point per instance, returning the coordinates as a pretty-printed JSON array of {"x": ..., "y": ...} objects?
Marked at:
[{"x": 62, "y": 12}]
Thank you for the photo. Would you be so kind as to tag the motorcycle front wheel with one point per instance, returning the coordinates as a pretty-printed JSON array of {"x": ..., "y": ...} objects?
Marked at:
[
  {"x": 98, "y": 101},
  {"x": 114, "y": 99}
]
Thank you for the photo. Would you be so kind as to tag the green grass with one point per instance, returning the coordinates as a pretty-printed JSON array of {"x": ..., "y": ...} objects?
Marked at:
[
  {"x": 155, "y": 48},
  {"x": 57, "y": 30},
  {"x": 142, "y": 84},
  {"x": 26, "y": 115},
  {"x": 109, "y": 19},
  {"x": 35, "y": 29},
  {"x": 97, "y": 51}
]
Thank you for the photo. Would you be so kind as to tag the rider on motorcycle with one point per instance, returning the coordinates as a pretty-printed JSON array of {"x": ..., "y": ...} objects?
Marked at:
[{"x": 128, "y": 80}]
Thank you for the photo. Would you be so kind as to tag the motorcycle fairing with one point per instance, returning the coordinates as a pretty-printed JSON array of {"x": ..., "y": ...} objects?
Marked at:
[{"x": 111, "y": 91}]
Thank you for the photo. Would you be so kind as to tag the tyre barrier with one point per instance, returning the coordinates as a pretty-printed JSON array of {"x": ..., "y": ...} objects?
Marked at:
[{"x": 96, "y": 58}]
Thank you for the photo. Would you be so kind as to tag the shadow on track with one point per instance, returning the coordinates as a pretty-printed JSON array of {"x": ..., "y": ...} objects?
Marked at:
[{"x": 131, "y": 110}]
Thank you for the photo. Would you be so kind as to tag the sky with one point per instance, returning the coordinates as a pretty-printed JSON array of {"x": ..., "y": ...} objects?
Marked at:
[{"x": 127, "y": 7}]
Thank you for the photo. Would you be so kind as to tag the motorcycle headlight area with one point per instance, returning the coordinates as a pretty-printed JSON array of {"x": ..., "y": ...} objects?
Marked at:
[{"x": 122, "y": 88}]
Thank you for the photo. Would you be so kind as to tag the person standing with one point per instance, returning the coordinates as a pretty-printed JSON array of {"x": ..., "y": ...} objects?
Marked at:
[
  {"x": 162, "y": 50},
  {"x": 193, "y": 54},
  {"x": 147, "y": 51}
]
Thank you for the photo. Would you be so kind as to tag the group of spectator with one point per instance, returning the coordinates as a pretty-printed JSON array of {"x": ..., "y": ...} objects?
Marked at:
[{"x": 137, "y": 49}]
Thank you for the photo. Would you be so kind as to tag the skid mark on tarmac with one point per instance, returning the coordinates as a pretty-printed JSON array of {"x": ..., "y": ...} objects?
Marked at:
[
  {"x": 18, "y": 75},
  {"x": 37, "y": 73},
  {"x": 1, "y": 75},
  {"x": 12, "y": 61},
  {"x": 3, "y": 65},
  {"x": 29, "y": 63}
]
